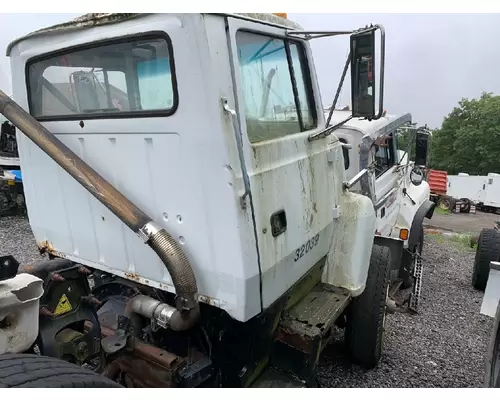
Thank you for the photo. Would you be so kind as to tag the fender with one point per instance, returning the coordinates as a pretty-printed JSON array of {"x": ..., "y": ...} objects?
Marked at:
[
  {"x": 395, "y": 247},
  {"x": 426, "y": 210}
]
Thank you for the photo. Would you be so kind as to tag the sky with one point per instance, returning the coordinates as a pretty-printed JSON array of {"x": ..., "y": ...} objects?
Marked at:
[{"x": 432, "y": 60}]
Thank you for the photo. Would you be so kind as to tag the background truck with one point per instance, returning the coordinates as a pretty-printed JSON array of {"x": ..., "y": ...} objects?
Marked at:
[
  {"x": 444, "y": 196},
  {"x": 239, "y": 245},
  {"x": 482, "y": 191},
  {"x": 488, "y": 198},
  {"x": 396, "y": 187}
]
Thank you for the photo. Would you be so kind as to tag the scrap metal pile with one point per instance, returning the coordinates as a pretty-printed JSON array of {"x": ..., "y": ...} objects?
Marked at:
[{"x": 11, "y": 187}]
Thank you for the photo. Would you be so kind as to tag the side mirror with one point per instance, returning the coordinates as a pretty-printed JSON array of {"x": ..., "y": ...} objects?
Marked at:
[
  {"x": 421, "y": 148},
  {"x": 363, "y": 73},
  {"x": 416, "y": 176}
]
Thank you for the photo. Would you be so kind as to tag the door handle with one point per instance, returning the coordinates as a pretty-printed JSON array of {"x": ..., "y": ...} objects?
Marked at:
[{"x": 278, "y": 223}]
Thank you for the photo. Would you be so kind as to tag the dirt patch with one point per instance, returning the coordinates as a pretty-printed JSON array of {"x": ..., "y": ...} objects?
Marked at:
[{"x": 470, "y": 223}]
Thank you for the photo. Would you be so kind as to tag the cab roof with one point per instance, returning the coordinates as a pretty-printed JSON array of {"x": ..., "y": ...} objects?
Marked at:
[
  {"x": 90, "y": 20},
  {"x": 376, "y": 128}
]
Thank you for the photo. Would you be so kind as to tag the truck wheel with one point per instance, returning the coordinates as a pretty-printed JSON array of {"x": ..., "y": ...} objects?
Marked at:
[
  {"x": 488, "y": 249},
  {"x": 366, "y": 316},
  {"x": 465, "y": 206},
  {"x": 30, "y": 370},
  {"x": 492, "y": 373},
  {"x": 445, "y": 204}
]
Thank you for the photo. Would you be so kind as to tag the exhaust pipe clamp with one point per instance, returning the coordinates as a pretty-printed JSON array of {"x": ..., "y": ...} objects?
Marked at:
[{"x": 148, "y": 230}]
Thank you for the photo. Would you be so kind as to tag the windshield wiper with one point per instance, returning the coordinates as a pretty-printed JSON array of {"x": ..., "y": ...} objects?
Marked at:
[{"x": 328, "y": 131}]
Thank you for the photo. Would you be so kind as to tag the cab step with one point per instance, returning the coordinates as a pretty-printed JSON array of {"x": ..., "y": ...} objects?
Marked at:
[
  {"x": 313, "y": 317},
  {"x": 417, "y": 287},
  {"x": 306, "y": 329}
]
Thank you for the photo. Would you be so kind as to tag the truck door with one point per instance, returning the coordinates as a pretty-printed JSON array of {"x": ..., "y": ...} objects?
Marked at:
[
  {"x": 294, "y": 185},
  {"x": 386, "y": 184}
]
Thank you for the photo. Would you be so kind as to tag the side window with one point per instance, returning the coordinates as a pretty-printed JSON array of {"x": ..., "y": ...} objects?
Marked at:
[
  {"x": 384, "y": 154},
  {"x": 276, "y": 91},
  {"x": 345, "y": 152},
  {"x": 133, "y": 75},
  {"x": 305, "y": 103}
]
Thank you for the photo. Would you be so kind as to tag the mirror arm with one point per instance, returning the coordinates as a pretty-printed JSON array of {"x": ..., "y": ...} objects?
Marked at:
[
  {"x": 339, "y": 88},
  {"x": 308, "y": 35},
  {"x": 330, "y": 33},
  {"x": 355, "y": 179}
]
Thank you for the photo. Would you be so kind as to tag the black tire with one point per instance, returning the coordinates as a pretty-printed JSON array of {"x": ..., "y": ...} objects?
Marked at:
[
  {"x": 366, "y": 315},
  {"x": 488, "y": 249},
  {"x": 453, "y": 203},
  {"x": 408, "y": 264},
  {"x": 447, "y": 203},
  {"x": 465, "y": 206},
  {"x": 30, "y": 370}
]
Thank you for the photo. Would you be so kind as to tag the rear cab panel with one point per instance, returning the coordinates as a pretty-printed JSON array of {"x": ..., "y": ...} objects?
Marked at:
[{"x": 173, "y": 165}]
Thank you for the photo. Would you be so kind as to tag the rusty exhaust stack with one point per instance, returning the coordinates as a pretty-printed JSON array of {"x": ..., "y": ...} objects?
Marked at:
[{"x": 169, "y": 251}]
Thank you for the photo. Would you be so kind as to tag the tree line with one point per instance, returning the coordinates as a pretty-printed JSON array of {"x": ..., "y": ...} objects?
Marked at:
[{"x": 468, "y": 140}]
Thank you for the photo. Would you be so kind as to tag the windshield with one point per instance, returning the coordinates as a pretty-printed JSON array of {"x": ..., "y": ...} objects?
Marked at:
[{"x": 111, "y": 78}]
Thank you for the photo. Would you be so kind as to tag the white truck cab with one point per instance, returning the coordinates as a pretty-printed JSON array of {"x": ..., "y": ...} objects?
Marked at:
[
  {"x": 188, "y": 171},
  {"x": 181, "y": 174},
  {"x": 400, "y": 201},
  {"x": 375, "y": 143}
]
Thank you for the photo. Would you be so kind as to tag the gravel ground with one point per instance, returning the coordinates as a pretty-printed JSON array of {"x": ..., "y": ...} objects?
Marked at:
[
  {"x": 443, "y": 346},
  {"x": 17, "y": 239}
]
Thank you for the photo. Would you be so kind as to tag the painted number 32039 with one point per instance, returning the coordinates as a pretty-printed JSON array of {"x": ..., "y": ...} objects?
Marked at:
[{"x": 306, "y": 248}]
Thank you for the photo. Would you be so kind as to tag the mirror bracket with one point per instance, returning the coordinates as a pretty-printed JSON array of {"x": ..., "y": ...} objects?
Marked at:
[
  {"x": 309, "y": 35},
  {"x": 416, "y": 171}
]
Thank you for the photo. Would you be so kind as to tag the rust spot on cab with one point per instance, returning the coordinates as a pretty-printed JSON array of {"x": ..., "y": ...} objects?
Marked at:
[
  {"x": 45, "y": 246},
  {"x": 132, "y": 276},
  {"x": 209, "y": 300}
]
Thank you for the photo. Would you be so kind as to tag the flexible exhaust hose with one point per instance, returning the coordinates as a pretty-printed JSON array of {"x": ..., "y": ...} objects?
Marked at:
[
  {"x": 170, "y": 252},
  {"x": 166, "y": 247}
]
